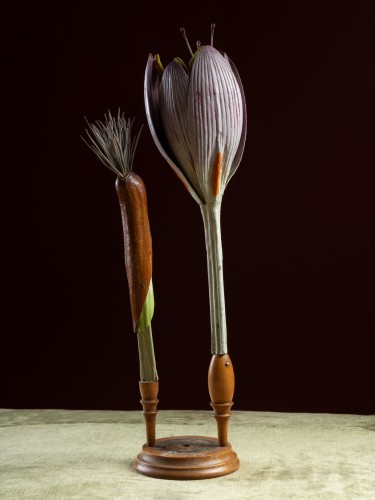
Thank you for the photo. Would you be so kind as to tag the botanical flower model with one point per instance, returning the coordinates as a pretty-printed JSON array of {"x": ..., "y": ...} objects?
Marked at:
[
  {"x": 197, "y": 118},
  {"x": 112, "y": 143}
]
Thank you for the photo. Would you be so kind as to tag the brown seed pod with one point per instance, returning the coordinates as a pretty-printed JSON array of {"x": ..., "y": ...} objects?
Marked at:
[{"x": 132, "y": 197}]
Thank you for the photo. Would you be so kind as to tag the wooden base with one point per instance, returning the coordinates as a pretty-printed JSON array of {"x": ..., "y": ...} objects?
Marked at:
[{"x": 186, "y": 457}]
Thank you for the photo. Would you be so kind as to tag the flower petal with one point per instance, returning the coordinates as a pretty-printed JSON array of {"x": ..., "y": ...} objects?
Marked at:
[
  {"x": 173, "y": 109},
  {"x": 215, "y": 115},
  {"x": 152, "y": 107},
  {"x": 241, "y": 145}
]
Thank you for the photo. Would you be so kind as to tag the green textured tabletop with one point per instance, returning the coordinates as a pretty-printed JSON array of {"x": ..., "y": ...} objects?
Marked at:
[{"x": 89, "y": 454}]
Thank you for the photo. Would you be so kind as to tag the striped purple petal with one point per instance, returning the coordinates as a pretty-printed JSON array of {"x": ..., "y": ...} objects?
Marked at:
[{"x": 215, "y": 117}]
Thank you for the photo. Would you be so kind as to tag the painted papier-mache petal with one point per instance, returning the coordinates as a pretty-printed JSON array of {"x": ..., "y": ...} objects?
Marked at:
[
  {"x": 241, "y": 146},
  {"x": 215, "y": 118},
  {"x": 152, "y": 107},
  {"x": 174, "y": 112}
]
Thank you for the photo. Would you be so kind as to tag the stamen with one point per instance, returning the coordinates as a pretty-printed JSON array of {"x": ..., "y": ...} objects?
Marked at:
[
  {"x": 198, "y": 44},
  {"x": 213, "y": 25},
  {"x": 186, "y": 41}
]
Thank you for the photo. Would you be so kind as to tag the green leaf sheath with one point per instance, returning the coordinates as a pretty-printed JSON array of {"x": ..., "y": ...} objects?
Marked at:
[
  {"x": 147, "y": 312},
  {"x": 147, "y": 364}
]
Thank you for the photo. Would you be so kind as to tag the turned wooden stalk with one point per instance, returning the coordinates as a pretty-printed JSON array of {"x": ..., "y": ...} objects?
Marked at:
[
  {"x": 221, "y": 389},
  {"x": 149, "y": 393}
]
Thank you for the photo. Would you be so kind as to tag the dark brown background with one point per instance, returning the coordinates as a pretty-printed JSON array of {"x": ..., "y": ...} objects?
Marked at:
[{"x": 298, "y": 217}]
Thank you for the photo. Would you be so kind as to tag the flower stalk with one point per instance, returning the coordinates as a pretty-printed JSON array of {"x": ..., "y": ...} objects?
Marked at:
[{"x": 211, "y": 220}]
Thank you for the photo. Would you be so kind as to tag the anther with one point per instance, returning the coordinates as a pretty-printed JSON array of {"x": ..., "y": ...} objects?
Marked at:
[
  {"x": 198, "y": 44},
  {"x": 213, "y": 25},
  {"x": 186, "y": 41}
]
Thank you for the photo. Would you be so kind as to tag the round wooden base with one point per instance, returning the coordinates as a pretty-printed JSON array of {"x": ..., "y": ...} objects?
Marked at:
[{"x": 186, "y": 457}]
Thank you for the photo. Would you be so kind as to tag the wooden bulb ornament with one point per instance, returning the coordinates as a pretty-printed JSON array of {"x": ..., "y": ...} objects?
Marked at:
[{"x": 221, "y": 389}]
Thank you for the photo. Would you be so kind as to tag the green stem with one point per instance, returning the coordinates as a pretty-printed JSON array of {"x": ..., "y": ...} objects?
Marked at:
[
  {"x": 147, "y": 363},
  {"x": 211, "y": 221}
]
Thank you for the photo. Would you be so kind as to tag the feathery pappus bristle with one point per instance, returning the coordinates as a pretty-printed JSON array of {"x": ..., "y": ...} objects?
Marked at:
[{"x": 112, "y": 142}]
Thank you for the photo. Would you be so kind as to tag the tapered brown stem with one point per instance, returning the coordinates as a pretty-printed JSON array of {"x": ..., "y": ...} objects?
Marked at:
[
  {"x": 221, "y": 389},
  {"x": 132, "y": 198},
  {"x": 149, "y": 392}
]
